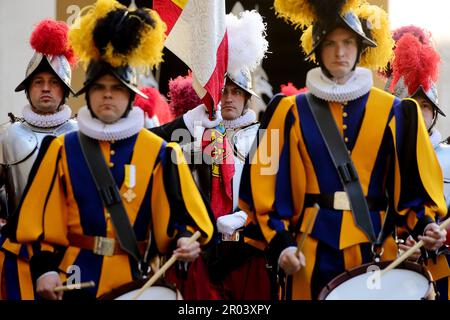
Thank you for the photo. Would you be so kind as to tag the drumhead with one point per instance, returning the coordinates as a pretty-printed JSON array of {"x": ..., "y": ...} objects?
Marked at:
[
  {"x": 161, "y": 290},
  {"x": 409, "y": 281},
  {"x": 152, "y": 293}
]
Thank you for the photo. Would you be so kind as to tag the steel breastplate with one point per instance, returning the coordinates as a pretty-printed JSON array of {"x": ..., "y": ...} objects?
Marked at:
[{"x": 20, "y": 147}]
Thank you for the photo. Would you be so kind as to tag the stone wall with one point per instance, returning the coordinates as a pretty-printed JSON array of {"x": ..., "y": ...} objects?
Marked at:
[{"x": 17, "y": 19}]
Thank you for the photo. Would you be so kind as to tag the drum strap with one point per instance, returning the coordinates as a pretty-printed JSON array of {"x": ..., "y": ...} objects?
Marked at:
[
  {"x": 344, "y": 165},
  {"x": 110, "y": 195}
]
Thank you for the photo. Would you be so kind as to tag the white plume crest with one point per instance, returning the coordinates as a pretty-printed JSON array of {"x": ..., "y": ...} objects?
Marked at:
[{"x": 247, "y": 44}]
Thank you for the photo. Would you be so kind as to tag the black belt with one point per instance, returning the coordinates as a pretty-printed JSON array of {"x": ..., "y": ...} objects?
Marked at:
[{"x": 327, "y": 201}]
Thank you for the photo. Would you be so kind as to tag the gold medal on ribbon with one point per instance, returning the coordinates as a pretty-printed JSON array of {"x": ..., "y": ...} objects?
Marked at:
[{"x": 130, "y": 182}]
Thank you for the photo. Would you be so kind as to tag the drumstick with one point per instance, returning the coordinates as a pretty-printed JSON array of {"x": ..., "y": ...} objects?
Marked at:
[
  {"x": 309, "y": 226},
  {"x": 410, "y": 251},
  {"x": 75, "y": 286},
  {"x": 164, "y": 268}
]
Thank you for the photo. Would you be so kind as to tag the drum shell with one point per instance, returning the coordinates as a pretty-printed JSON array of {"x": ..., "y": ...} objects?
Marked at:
[
  {"x": 161, "y": 285},
  {"x": 354, "y": 272}
]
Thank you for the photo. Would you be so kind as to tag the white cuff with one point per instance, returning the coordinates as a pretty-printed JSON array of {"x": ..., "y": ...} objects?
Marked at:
[
  {"x": 198, "y": 117},
  {"x": 229, "y": 223}
]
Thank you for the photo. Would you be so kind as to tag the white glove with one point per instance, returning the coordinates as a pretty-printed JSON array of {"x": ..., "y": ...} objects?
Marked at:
[
  {"x": 286, "y": 250},
  {"x": 198, "y": 117},
  {"x": 231, "y": 222},
  {"x": 290, "y": 262}
]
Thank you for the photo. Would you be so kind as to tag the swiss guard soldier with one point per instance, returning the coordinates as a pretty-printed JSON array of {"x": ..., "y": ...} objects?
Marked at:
[
  {"x": 47, "y": 87},
  {"x": 341, "y": 153},
  {"x": 414, "y": 74},
  {"x": 113, "y": 196}
]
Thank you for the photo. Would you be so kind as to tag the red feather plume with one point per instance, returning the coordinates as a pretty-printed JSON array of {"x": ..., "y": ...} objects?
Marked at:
[
  {"x": 416, "y": 63},
  {"x": 50, "y": 37},
  {"x": 182, "y": 95},
  {"x": 156, "y": 104},
  {"x": 291, "y": 90},
  {"x": 424, "y": 36}
]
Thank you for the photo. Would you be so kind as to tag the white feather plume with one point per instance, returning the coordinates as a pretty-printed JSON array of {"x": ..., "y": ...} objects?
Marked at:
[{"x": 247, "y": 44}]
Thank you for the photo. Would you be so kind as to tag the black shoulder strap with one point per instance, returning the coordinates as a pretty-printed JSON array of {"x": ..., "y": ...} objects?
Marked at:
[
  {"x": 110, "y": 195},
  {"x": 344, "y": 165}
]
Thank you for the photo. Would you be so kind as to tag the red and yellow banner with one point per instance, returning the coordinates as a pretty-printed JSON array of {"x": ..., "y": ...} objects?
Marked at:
[{"x": 197, "y": 35}]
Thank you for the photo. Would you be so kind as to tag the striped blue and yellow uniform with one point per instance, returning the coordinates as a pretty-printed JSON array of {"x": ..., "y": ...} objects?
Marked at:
[
  {"x": 440, "y": 271},
  {"x": 15, "y": 275},
  {"x": 61, "y": 199},
  {"x": 391, "y": 151}
]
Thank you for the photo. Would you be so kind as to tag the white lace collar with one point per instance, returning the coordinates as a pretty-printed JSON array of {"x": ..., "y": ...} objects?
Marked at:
[
  {"x": 324, "y": 88},
  {"x": 246, "y": 119},
  {"x": 47, "y": 120},
  {"x": 122, "y": 129},
  {"x": 435, "y": 137}
]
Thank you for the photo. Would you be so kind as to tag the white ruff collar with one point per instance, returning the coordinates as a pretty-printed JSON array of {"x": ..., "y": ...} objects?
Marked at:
[
  {"x": 246, "y": 119},
  {"x": 435, "y": 137},
  {"x": 122, "y": 129},
  {"x": 326, "y": 89},
  {"x": 47, "y": 120}
]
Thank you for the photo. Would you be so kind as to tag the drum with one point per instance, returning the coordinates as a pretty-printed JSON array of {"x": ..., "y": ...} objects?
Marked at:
[
  {"x": 409, "y": 281},
  {"x": 161, "y": 290}
]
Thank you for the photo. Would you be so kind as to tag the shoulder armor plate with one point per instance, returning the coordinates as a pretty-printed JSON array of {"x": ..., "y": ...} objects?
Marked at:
[{"x": 18, "y": 143}]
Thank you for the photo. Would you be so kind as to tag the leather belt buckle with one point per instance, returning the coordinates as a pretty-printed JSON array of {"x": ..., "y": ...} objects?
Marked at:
[
  {"x": 104, "y": 246},
  {"x": 231, "y": 237},
  {"x": 341, "y": 201}
]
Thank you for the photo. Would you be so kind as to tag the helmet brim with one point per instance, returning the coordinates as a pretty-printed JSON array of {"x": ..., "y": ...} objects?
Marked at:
[
  {"x": 96, "y": 69},
  {"x": 41, "y": 63},
  {"x": 420, "y": 92}
]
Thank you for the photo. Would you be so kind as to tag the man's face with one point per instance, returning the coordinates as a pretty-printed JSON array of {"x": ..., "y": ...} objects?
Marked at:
[
  {"x": 233, "y": 101},
  {"x": 46, "y": 92},
  {"x": 427, "y": 111},
  {"x": 108, "y": 98},
  {"x": 339, "y": 52}
]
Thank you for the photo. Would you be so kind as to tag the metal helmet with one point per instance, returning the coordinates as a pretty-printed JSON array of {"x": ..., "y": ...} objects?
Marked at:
[
  {"x": 431, "y": 95},
  {"x": 49, "y": 40},
  {"x": 247, "y": 47},
  {"x": 348, "y": 20},
  {"x": 126, "y": 75},
  {"x": 243, "y": 79},
  {"x": 369, "y": 23},
  {"x": 415, "y": 68},
  {"x": 137, "y": 41}
]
